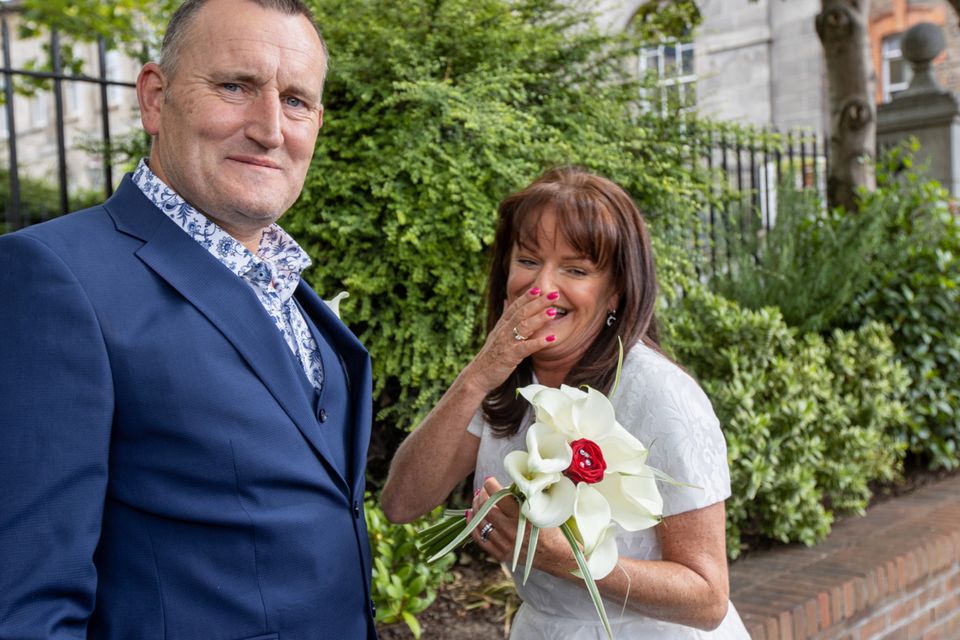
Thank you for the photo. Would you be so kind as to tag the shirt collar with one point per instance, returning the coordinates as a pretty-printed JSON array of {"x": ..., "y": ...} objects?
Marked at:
[{"x": 279, "y": 260}]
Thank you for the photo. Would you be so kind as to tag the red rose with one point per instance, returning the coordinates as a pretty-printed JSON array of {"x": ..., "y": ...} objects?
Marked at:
[{"x": 587, "y": 464}]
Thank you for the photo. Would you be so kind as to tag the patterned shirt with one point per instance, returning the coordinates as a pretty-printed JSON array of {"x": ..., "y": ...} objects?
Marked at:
[{"x": 273, "y": 272}]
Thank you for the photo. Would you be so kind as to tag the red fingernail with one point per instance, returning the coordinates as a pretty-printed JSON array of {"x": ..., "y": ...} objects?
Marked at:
[
  {"x": 535, "y": 291},
  {"x": 468, "y": 514},
  {"x": 553, "y": 295},
  {"x": 551, "y": 312},
  {"x": 477, "y": 492},
  {"x": 551, "y": 338},
  {"x": 487, "y": 478}
]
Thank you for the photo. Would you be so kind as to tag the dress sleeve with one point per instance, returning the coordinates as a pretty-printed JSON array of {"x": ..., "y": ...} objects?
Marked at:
[
  {"x": 668, "y": 411},
  {"x": 56, "y": 394},
  {"x": 476, "y": 424}
]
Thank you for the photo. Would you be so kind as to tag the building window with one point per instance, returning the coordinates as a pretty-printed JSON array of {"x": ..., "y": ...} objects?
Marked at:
[
  {"x": 40, "y": 110},
  {"x": 895, "y": 71},
  {"x": 114, "y": 70},
  {"x": 4, "y": 133},
  {"x": 671, "y": 63},
  {"x": 71, "y": 92}
]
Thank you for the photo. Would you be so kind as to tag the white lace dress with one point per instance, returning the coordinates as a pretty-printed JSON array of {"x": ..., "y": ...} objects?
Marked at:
[{"x": 669, "y": 413}]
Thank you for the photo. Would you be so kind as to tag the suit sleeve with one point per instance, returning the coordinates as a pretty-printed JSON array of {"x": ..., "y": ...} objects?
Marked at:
[{"x": 56, "y": 407}]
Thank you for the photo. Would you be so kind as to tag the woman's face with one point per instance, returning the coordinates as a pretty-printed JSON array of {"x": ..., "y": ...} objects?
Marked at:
[{"x": 586, "y": 292}]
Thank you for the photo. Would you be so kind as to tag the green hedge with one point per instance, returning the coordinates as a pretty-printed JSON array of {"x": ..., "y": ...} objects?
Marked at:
[
  {"x": 434, "y": 112},
  {"x": 810, "y": 422}
]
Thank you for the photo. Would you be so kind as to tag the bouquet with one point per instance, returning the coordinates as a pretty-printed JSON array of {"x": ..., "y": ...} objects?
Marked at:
[{"x": 582, "y": 472}]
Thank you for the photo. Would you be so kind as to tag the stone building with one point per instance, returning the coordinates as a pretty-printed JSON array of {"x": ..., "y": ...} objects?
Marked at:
[{"x": 761, "y": 63}]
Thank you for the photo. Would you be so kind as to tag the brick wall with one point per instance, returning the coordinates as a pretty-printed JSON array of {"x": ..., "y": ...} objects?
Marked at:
[{"x": 891, "y": 575}]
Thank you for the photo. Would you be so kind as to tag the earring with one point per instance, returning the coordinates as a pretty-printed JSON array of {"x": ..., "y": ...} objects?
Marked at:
[{"x": 611, "y": 318}]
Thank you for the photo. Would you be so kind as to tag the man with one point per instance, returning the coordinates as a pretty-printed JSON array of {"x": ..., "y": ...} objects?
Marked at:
[{"x": 183, "y": 422}]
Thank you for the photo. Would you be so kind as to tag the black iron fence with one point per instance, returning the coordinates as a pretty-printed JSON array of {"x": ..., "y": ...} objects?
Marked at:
[
  {"x": 749, "y": 169},
  {"x": 14, "y": 206}
]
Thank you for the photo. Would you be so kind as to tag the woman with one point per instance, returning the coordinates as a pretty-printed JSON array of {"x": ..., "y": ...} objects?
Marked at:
[{"x": 572, "y": 270}]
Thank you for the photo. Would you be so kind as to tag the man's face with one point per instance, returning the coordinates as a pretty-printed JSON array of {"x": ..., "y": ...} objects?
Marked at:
[{"x": 234, "y": 128}]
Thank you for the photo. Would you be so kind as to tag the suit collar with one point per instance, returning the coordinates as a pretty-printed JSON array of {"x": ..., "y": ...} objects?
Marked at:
[{"x": 226, "y": 301}]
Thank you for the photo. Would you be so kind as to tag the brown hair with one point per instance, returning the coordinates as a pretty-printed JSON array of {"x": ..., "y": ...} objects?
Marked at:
[
  {"x": 598, "y": 218},
  {"x": 175, "y": 37}
]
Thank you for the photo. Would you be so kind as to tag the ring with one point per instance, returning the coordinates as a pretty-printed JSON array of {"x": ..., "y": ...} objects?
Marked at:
[
  {"x": 517, "y": 336},
  {"x": 485, "y": 531}
]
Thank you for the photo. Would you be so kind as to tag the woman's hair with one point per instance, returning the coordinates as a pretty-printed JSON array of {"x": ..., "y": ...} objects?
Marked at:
[{"x": 598, "y": 219}]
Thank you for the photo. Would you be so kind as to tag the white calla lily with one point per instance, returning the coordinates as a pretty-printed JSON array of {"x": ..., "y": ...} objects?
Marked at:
[
  {"x": 592, "y": 513},
  {"x": 635, "y": 501},
  {"x": 603, "y": 559},
  {"x": 528, "y": 481},
  {"x": 593, "y": 415},
  {"x": 623, "y": 453},
  {"x": 551, "y": 405},
  {"x": 548, "y": 449},
  {"x": 552, "y": 506}
]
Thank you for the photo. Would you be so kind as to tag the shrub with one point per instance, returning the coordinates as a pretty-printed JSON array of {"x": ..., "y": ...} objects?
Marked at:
[
  {"x": 918, "y": 294},
  {"x": 40, "y": 200},
  {"x": 897, "y": 262},
  {"x": 435, "y": 112},
  {"x": 403, "y": 585},
  {"x": 809, "y": 422},
  {"x": 828, "y": 255}
]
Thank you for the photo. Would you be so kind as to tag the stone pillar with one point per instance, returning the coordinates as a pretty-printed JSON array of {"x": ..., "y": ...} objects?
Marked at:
[{"x": 925, "y": 110}]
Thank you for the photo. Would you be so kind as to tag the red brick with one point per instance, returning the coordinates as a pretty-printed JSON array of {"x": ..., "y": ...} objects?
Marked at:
[
  {"x": 799, "y": 623},
  {"x": 920, "y": 624},
  {"x": 848, "y": 608},
  {"x": 786, "y": 626},
  {"x": 949, "y": 606},
  {"x": 902, "y": 611},
  {"x": 823, "y": 601},
  {"x": 872, "y": 628}
]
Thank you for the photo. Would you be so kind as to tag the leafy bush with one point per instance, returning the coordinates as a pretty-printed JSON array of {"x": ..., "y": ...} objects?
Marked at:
[
  {"x": 434, "y": 112},
  {"x": 809, "y": 422},
  {"x": 918, "y": 294},
  {"x": 829, "y": 256},
  {"x": 897, "y": 262},
  {"x": 40, "y": 200},
  {"x": 403, "y": 585}
]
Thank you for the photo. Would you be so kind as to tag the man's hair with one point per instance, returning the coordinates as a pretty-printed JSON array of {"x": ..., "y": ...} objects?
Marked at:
[{"x": 179, "y": 27}]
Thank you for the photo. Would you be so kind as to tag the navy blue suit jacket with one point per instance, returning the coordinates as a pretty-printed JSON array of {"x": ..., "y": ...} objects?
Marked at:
[{"x": 163, "y": 473}]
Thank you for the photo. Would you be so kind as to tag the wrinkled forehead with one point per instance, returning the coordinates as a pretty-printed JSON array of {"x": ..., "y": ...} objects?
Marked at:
[{"x": 253, "y": 35}]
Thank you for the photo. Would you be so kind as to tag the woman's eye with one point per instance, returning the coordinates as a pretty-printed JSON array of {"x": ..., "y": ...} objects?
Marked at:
[{"x": 576, "y": 271}]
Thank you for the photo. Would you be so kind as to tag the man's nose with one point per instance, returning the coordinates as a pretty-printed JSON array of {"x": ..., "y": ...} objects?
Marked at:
[{"x": 265, "y": 121}]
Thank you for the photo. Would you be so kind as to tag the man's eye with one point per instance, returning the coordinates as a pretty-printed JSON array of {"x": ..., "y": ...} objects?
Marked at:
[
  {"x": 293, "y": 102},
  {"x": 232, "y": 87}
]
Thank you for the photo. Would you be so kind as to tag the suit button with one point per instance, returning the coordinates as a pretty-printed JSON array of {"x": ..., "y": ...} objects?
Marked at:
[
  {"x": 322, "y": 415},
  {"x": 356, "y": 509}
]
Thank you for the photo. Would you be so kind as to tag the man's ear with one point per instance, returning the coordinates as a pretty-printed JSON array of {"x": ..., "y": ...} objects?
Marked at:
[{"x": 151, "y": 84}]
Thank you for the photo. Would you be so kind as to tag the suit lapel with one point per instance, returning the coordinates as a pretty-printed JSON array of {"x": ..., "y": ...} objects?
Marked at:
[
  {"x": 227, "y": 302},
  {"x": 356, "y": 363}
]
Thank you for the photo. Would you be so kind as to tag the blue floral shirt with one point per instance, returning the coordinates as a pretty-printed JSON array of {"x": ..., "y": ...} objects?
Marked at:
[{"x": 273, "y": 272}]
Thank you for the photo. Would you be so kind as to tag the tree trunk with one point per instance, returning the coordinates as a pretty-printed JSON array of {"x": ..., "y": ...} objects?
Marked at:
[
  {"x": 956, "y": 6},
  {"x": 842, "y": 27}
]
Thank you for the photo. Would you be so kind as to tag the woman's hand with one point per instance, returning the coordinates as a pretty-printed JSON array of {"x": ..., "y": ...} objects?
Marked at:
[
  {"x": 523, "y": 329},
  {"x": 552, "y": 554}
]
